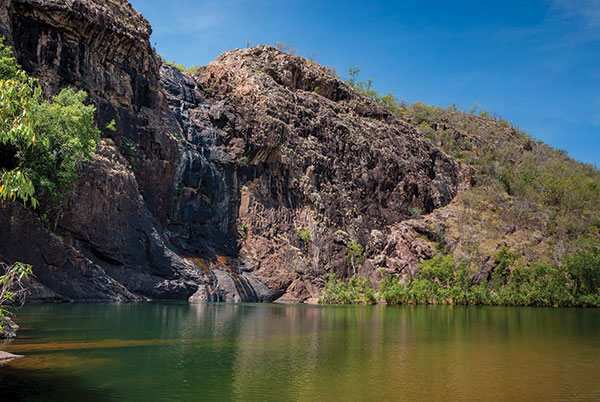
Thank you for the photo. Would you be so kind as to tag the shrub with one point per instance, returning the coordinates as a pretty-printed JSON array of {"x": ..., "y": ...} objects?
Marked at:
[
  {"x": 415, "y": 212},
  {"x": 243, "y": 231},
  {"x": 440, "y": 268},
  {"x": 356, "y": 291},
  {"x": 304, "y": 235},
  {"x": 393, "y": 292},
  {"x": 286, "y": 48},
  {"x": 503, "y": 260},
  {"x": 389, "y": 101},
  {"x": 67, "y": 137},
  {"x": 243, "y": 161},
  {"x": 355, "y": 254},
  {"x": 180, "y": 67},
  {"x": 11, "y": 289},
  {"x": 583, "y": 267}
]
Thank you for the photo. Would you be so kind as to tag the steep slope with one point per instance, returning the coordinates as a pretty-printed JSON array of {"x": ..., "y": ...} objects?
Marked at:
[
  {"x": 110, "y": 243},
  {"x": 244, "y": 181},
  {"x": 304, "y": 152}
]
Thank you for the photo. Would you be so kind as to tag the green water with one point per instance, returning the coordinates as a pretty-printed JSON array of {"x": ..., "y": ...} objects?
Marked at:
[{"x": 220, "y": 352}]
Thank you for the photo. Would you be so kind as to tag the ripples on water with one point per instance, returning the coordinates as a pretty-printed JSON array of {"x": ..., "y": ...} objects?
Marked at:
[{"x": 190, "y": 352}]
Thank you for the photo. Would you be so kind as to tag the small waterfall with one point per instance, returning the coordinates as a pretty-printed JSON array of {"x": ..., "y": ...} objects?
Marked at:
[
  {"x": 244, "y": 287},
  {"x": 223, "y": 284}
]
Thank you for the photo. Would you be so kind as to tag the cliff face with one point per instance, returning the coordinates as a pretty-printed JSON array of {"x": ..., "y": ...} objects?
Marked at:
[{"x": 203, "y": 189}]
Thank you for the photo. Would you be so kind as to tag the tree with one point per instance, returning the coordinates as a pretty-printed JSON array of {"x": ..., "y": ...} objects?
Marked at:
[
  {"x": 584, "y": 268},
  {"x": 18, "y": 96},
  {"x": 42, "y": 143},
  {"x": 355, "y": 253},
  {"x": 67, "y": 137},
  {"x": 393, "y": 104}
]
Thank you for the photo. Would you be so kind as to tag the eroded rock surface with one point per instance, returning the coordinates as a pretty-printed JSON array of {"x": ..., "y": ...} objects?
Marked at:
[{"x": 203, "y": 189}]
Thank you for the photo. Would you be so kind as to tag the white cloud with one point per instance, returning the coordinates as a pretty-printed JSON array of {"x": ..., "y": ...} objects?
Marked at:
[
  {"x": 588, "y": 10},
  {"x": 568, "y": 24},
  {"x": 187, "y": 17}
]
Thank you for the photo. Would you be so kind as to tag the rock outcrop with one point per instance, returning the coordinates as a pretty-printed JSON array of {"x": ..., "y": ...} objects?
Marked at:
[
  {"x": 6, "y": 357},
  {"x": 9, "y": 329},
  {"x": 202, "y": 191}
]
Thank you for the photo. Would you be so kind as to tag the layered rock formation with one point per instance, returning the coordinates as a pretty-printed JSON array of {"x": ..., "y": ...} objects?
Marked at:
[{"x": 203, "y": 189}]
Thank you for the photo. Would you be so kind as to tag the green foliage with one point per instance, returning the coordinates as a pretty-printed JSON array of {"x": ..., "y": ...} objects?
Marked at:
[
  {"x": 584, "y": 268},
  {"x": 243, "y": 161},
  {"x": 43, "y": 141},
  {"x": 11, "y": 286},
  {"x": 437, "y": 283},
  {"x": 67, "y": 137},
  {"x": 243, "y": 231},
  {"x": 18, "y": 98},
  {"x": 356, "y": 291},
  {"x": 9, "y": 68},
  {"x": 355, "y": 254},
  {"x": 129, "y": 147},
  {"x": 415, "y": 212},
  {"x": 181, "y": 67},
  {"x": 111, "y": 126},
  {"x": 304, "y": 235},
  {"x": 574, "y": 283},
  {"x": 16, "y": 185},
  {"x": 395, "y": 105},
  {"x": 503, "y": 260},
  {"x": 440, "y": 268}
]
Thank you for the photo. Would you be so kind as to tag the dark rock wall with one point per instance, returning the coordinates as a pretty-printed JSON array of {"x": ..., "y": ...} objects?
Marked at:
[{"x": 203, "y": 188}]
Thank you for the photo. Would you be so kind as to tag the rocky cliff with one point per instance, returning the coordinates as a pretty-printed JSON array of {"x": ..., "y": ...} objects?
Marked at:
[{"x": 202, "y": 191}]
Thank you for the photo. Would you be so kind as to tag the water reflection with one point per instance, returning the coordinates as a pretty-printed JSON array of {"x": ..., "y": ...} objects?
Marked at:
[{"x": 296, "y": 352}]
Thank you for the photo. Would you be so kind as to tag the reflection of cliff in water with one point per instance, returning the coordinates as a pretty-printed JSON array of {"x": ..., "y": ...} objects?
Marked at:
[
  {"x": 31, "y": 385},
  {"x": 181, "y": 351}
]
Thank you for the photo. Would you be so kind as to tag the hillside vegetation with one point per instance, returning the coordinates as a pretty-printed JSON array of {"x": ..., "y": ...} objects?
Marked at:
[{"x": 526, "y": 233}]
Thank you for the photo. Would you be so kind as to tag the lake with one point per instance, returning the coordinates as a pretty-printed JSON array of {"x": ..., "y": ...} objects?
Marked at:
[{"x": 245, "y": 352}]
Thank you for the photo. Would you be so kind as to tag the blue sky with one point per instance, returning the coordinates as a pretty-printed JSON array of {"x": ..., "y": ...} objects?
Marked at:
[{"x": 534, "y": 62}]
